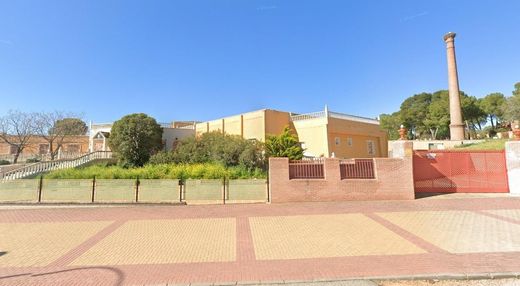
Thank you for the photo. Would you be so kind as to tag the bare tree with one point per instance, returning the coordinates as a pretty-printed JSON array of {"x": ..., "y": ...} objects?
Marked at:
[
  {"x": 16, "y": 129},
  {"x": 55, "y": 126}
]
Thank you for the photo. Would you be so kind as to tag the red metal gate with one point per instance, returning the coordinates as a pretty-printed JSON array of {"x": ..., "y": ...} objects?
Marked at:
[{"x": 442, "y": 171}]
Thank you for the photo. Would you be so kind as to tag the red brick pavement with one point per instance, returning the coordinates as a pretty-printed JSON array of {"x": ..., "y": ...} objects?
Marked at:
[{"x": 246, "y": 267}]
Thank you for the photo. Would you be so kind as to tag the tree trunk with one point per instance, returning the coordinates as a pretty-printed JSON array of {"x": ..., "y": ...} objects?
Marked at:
[
  {"x": 16, "y": 155},
  {"x": 51, "y": 151},
  {"x": 492, "y": 124}
]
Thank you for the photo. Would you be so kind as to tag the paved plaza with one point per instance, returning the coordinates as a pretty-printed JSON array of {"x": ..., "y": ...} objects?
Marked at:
[{"x": 158, "y": 244}]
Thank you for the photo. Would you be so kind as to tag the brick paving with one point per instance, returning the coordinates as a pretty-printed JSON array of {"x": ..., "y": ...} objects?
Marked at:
[{"x": 156, "y": 245}]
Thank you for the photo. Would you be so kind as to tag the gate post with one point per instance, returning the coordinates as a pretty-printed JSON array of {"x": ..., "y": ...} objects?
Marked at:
[
  {"x": 513, "y": 166},
  {"x": 404, "y": 150}
]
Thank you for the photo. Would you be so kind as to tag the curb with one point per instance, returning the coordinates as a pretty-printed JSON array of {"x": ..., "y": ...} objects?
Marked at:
[{"x": 373, "y": 279}]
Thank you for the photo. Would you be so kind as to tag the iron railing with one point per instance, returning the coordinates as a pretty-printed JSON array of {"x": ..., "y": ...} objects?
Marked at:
[
  {"x": 306, "y": 169},
  {"x": 357, "y": 169}
]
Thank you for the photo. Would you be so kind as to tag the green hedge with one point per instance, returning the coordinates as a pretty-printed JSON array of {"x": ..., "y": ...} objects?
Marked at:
[{"x": 162, "y": 171}]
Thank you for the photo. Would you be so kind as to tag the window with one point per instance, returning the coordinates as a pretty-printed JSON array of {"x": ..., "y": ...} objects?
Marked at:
[
  {"x": 349, "y": 141},
  {"x": 43, "y": 149},
  {"x": 13, "y": 149},
  {"x": 73, "y": 148},
  {"x": 337, "y": 140},
  {"x": 371, "y": 147}
]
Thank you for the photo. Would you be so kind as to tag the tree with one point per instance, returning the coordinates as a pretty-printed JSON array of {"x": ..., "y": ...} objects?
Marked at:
[
  {"x": 492, "y": 106},
  {"x": 517, "y": 89},
  {"x": 284, "y": 145},
  {"x": 472, "y": 113},
  {"x": 438, "y": 116},
  {"x": 135, "y": 138},
  {"x": 55, "y": 126},
  {"x": 391, "y": 123},
  {"x": 414, "y": 111},
  {"x": 512, "y": 107},
  {"x": 16, "y": 129}
]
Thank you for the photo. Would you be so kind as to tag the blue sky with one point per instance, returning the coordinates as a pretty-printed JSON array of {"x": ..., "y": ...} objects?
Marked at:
[{"x": 199, "y": 60}]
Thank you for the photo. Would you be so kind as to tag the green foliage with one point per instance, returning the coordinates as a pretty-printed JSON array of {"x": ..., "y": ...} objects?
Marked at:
[
  {"x": 227, "y": 150},
  {"x": 69, "y": 126},
  {"x": 438, "y": 117},
  {"x": 492, "y": 144},
  {"x": 4, "y": 162},
  {"x": 492, "y": 105},
  {"x": 32, "y": 160},
  {"x": 414, "y": 111},
  {"x": 391, "y": 123},
  {"x": 135, "y": 138},
  {"x": 517, "y": 89},
  {"x": 511, "y": 108},
  {"x": 161, "y": 171},
  {"x": 284, "y": 145}
]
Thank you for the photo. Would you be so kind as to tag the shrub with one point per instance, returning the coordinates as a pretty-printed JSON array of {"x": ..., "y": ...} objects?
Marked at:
[
  {"x": 32, "y": 160},
  {"x": 135, "y": 138},
  {"x": 162, "y": 157},
  {"x": 4, "y": 162},
  {"x": 159, "y": 171},
  {"x": 214, "y": 147},
  {"x": 284, "y": 145}
]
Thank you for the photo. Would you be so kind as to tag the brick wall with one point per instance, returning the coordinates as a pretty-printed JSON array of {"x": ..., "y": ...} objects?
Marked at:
[{"x": 394, "y": 181}]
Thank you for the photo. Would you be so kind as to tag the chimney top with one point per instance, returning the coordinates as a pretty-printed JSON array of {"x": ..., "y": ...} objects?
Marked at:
[{"x": 449, "y": 35}]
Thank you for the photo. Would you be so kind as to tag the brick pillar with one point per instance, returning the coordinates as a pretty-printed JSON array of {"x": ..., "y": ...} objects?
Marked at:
[
  {"x": 402, "y": 149},
  {"x": 331, "y": 168},
  {"x": 513, "y": 166},
  {"x": 278, "y": 177}
]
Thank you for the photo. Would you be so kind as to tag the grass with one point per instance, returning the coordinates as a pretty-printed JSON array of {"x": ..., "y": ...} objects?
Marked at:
[
  {"x": 163, "y": 171},
  {"x": 491, "y": 144}
]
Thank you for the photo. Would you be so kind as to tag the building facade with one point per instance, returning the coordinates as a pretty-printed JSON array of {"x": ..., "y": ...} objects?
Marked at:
[
  {"x": 172, "y": 134},
  {"x": 39, "y": 148},
  {"x": 322, "y": 134}
]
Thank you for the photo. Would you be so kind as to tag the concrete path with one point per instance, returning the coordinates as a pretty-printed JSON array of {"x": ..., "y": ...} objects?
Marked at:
[{"x": 280, "y": 243}]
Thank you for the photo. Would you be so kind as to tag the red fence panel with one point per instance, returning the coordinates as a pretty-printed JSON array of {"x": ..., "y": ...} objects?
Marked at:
[
  {"x": 357, "y": 169},
  {"x": 442, "y": 171}
]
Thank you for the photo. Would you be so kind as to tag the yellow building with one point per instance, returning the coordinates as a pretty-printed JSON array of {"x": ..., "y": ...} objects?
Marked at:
[{"x": 323, "y": 133}]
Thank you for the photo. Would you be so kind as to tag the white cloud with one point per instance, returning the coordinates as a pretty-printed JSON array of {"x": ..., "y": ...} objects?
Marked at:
[{"x": 409, "y": 18}]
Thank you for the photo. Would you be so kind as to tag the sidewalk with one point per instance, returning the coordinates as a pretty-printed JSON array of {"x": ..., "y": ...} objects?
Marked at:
[{"x": 279, "y": 243}]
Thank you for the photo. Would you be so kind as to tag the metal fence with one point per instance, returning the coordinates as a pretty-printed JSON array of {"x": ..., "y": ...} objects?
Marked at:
[
  {"x": 133, "y": 191},
  {"x": 357, "y": 169},
  {"x": 306, "y": 169},
  {"x": 460, "y": 171}
]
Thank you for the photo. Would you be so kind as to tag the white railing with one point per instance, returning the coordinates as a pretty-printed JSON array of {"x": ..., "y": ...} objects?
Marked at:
[
  {"x": 41, "y": 167},
  {"x": 318, "y": 114},
  {"x": 353, "y": 118}
]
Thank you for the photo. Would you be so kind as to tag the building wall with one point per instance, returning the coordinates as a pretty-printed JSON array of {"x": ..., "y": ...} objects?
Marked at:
[
  {"x": 360, "y": 133},
  {"x": 313, "y": 135},
  {"x": 394, "y": 181},
  {"x": 79, "y": 143},
  {"x": 317, "y": 134},
  {"x": 171, "y": 136},
  {"x": 250, "y": 125},
  {"x": 254, "y": 125},
  {"x": 233, "y": 125},
  {"x": 276, "y": 121}
]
